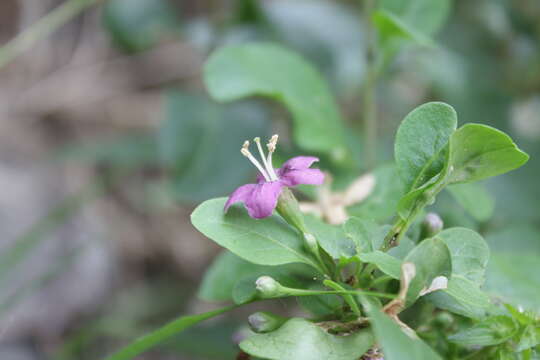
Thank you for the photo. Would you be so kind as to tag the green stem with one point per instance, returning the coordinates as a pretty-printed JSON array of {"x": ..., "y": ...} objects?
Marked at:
[
  {"x": 369, "y": 101},
  {"x": 156, "y": 337},
  {"x": 303, "y": 292},
  {"x": 289, "y": 210},
  {"x": 402, "y": 225},
  {"x": 395, "y": 234},
  {"x": 43, "y": 28},
  {"x": 347, "y": 297},
  {"x": 381, "y": 279}
]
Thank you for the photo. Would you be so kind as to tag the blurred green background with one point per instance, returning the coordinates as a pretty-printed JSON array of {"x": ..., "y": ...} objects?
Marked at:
[{"x": 108, "y": 139}]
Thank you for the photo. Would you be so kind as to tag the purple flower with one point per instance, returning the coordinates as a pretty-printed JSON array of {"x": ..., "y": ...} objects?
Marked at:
[{"x": 260, "y": 199}]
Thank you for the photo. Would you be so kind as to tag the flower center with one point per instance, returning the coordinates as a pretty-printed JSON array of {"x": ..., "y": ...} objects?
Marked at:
[{"x": 266, "y": 169}]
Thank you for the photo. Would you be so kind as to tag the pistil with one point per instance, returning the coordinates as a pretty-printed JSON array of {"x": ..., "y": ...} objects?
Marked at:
[{"x": 271, "y": 146}]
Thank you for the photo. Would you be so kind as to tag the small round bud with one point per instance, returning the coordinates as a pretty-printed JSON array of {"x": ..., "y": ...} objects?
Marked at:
[
  {"x": 432, "y": 225},
  {"x": 262, "y": 322},
  {"x": 310, "y": 241},
  {"x": 268, "y": 287}
]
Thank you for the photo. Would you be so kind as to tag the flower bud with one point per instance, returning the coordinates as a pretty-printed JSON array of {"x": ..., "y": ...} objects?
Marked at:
[
  {"x": 268, "y": 287},
  {"x": 310, "y": 242},
  {"x": 262, "y": 322},
  {"x": 289, "y": 209},
  {"x": 432, "y": 225}
]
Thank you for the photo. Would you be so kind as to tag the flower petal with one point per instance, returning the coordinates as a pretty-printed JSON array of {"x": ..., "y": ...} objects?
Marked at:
[
  {"x": 239, "y": 195},
  {"x": 298, "y": 163},
  {"x": 304, "y": 176},
  {"x": 263, "y": 199}
]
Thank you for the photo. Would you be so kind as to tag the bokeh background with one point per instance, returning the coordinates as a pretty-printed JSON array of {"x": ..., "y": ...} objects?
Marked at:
[{"x": 108, "y": 140}]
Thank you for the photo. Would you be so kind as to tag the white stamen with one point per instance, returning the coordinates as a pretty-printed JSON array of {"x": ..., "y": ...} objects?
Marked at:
[
  {"x": 267, "y": 166},
  {"x": 271, "y": 146},
  {"x": 254, "y": 161}
]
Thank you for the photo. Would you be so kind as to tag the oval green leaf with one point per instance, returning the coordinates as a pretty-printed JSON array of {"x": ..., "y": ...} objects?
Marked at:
[
  {"x": 395, "y": 344},
  {"x": 479, "y": 151},
  {"x": 420, "y": 141},
  {"x": 268, "y": 241},
  {"x": 239, "y": 71},
  {"x": 228, "y": 270},
  {"x": 424, "y": 16},
  {"x": 432, "y": 258},
  {"x": 299, "y": 339}
]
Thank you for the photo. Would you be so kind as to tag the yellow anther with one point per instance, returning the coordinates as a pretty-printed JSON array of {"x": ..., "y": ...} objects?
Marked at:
[{"x": 272, "y": 143}]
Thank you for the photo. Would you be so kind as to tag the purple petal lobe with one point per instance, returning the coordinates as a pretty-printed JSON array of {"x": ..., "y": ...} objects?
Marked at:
[
  {"x": 263, "y": 199},
  {"x": 305, "y": 176},
  {"x": 298, "y": 163},
  {"x": 239, "y": 195}
]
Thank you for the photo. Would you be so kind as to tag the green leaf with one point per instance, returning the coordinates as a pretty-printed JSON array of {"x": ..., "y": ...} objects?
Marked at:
[
  {"x": 361, "y": 232},
  {"x": 395, "y": 344},
  {"x": 239, "y": 71},
  {"x": 515, "y": 278},
  {"x": 432, "y": 258},
  {"x": 202, "y": 161},
  {"x": 523, "y": 317},
  {"x": 268, "y": 241},
  {"x": 220, "y": 278},
  {"x": 399, "y": 22},
  {"x": 420, "y": 141},
  {"x": 475, "y": 199},
  {"x": 299, "y": 339},
  {"x": 331, "y": 238},
  {"x": 165, "y": 332},
  {"x": 385, "y": 262},
  {"x": 462, "y": 297},
  {"x": 425, "y": 16},
  {"x": 408, "y": 202},
  {"x": 492, "y": 331},
  {"x": 529, "y": 337},
  {"x": 478, "y": 152},
  {"x": 469, "y": 252},
  {"x": 244, "y": 290},
  {"x": 391, "y": 28},
  {"x": 228, "y": 270},
  {"x": 136, "y": 25}
]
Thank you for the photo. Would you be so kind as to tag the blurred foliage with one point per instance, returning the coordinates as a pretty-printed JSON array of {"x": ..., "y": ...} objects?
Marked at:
[
  {"x": 137, "y": 25},
  {"x": 482, "y": 57},
  {"x": 199, "y": 143}
]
